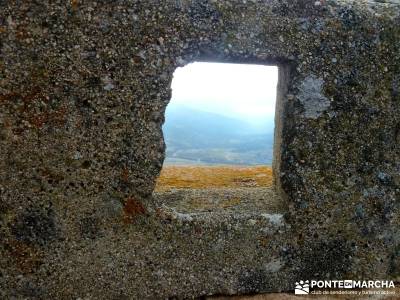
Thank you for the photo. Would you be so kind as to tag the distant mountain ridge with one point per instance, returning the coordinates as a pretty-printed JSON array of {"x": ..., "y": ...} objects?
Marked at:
[{"x": 198, "y": 137}]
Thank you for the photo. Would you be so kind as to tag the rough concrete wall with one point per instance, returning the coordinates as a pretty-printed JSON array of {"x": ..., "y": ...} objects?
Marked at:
[{"x": 83, "y": 90}]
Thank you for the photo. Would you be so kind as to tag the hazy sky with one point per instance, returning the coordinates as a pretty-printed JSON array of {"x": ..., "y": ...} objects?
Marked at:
[{"x": 237, "y": 90}]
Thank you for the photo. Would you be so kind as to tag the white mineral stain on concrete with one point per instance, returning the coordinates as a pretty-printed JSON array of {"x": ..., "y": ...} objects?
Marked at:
[
  {"x": 274, "y": 265},
  {"x": 312, "y": 98},
  {"x": 275, "y": 219}
]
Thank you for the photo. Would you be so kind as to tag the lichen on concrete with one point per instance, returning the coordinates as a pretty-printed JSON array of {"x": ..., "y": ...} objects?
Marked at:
[{"x": 312, "y": 98}]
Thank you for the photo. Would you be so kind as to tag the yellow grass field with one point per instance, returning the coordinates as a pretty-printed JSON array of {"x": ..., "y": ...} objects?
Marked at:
[{"x": 199, "y": 177}]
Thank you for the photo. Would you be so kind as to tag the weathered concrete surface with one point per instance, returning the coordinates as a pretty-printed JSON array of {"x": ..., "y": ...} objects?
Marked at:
[{"x": 83, "y": 90}]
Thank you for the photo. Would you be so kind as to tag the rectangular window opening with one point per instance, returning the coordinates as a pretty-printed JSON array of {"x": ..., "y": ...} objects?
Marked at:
[{"x": 221, "y": 139}]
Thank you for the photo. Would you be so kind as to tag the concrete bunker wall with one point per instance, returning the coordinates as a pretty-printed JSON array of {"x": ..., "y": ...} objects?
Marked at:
[{"x": 83, "y": 90}]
